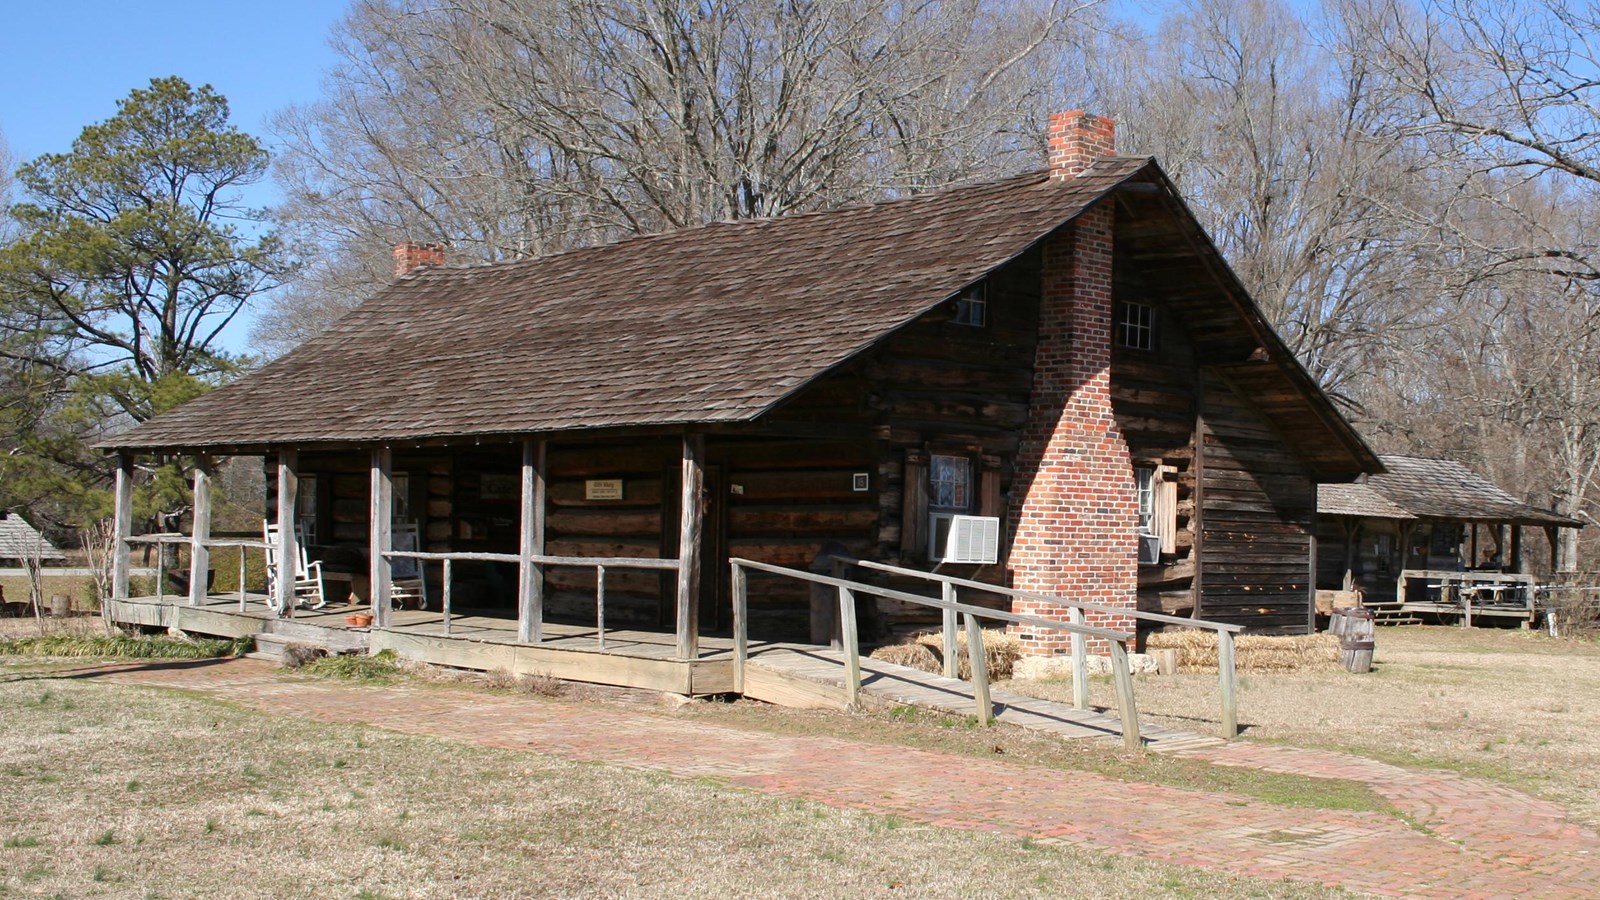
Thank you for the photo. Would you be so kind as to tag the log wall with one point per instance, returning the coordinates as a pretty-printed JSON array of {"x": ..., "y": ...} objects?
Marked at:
[
  {"x": 1258, "y": 519},
  {"x": 1154, "y": 394},
  {"x": 941, "y": 387}
]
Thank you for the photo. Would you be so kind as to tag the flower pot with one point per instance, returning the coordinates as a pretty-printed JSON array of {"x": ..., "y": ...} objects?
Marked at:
[{"x": 358, "y": 620}]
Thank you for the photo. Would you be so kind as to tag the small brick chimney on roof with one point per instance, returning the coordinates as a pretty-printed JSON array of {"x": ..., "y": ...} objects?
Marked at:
[
  {"x": 1077, "y": 139},
  {"x": 412, "y": 255}
]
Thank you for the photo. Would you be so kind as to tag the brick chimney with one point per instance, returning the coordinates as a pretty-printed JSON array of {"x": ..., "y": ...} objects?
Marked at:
[
  {"x": 1077, "y": 139},
  {"x": 1075, "y": 514},
  {"x": 412, "y": 255}
]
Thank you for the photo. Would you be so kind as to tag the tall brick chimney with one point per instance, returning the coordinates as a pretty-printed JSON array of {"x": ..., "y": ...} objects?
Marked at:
[
  {"x": 412, "y": 255},
  {"x": 1077, "y": 139},
  {"x": 1075, "y": 512}
]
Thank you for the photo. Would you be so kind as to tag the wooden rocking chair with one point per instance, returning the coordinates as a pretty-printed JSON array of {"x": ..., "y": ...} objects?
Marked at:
[
  {"x": 308, "y": 591},
  {"x": 407, "y": 583}
]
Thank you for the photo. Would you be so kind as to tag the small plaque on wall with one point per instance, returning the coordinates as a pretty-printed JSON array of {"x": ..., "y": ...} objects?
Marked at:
[
  {"x": 603, "y": 489},
  {"x": 860, "y": 481}
]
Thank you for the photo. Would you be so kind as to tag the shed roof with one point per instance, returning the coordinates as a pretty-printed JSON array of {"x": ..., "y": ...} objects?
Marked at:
[
  {"x": 717, "y": 324},
  {"x": 1418, "y": 488},
  {"x": 1357, "y": 499},
  {"x": 19, "y": 540}
]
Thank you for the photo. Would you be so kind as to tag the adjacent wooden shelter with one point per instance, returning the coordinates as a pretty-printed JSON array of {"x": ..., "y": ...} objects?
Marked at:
[
  {"x": 780, "y": 390},
  {"x": 1424, "y": 526},
  {"x": 21, "y": 543}
]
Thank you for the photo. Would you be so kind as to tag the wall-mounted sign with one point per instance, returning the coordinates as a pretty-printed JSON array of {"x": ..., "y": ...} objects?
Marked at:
[
  {"x": 500, "y": 487},
  {"x": 860, "y": 481},
  {"x": 603, "y": 489}
]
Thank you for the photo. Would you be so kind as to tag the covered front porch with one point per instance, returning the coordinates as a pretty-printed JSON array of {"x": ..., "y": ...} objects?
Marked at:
[
  {"x": 625, "y": 532},
  {"x": 638, "y": 659}
]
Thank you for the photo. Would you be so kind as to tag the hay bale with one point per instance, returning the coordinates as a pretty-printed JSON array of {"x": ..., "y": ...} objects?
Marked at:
[
  {"x": 916, "y": 656},
  {"x": 1001, "y": 651},
  {"x": 1197, "y": 651}
]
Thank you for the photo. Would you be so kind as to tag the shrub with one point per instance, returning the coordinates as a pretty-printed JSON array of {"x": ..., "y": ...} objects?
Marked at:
[
  {"x": 119, "y": 646},
  {"x": 382, "y": 666}
]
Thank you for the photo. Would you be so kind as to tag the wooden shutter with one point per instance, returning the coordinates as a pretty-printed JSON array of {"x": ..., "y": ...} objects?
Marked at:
[
  {"x": 990, "y": 503},
  {"x": 914, "y": 507},
  {"x": 1164, "y": 501}
]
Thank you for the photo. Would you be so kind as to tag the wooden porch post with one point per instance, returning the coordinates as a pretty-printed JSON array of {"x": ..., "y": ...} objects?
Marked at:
[
  {"x": 199, "y": 553},
  {"x": 380, "y": 533},
  {"x": 1516, "y": 549},
  {"x": 690, "y": 523},
  {"x": 122, "y": 527},
  {"x": 1311, "y": 575},
  {"x": 288, "y": 542},
  {"x": 530, "y": 587},
  {"x": 1553, "y": 535}
]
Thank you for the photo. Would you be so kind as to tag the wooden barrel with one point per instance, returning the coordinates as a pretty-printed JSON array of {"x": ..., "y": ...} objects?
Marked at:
[
  {"x": 1352, "y": 622},
  {"x": 1356, "y": 655}
]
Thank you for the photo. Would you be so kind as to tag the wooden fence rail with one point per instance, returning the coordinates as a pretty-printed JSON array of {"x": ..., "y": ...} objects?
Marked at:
[
  {"x": 848, "y": 590},
  {"x": 1226, "y": 674}
]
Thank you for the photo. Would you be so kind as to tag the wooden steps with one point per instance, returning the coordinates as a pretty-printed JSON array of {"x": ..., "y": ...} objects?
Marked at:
[{"x": 1392, "y": 613}]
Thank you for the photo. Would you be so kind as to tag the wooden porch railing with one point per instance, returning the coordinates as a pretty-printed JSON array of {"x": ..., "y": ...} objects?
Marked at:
[
  {"x": 196, "y": 594},
  {"x": 848, "y": 590},
  {"x": 599, "y": 564},
  {"x": 1226, "y": 674}
]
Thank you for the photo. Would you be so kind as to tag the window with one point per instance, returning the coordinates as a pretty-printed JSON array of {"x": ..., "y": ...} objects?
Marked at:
[
  {"x": 972, "y": 307},
  {"x": 1136, "y": 328},
  {"x": 400, "y": 493},
  {"x": 305, "y": 514},
  {"x": 1145, "y": 480},
  {"x": 949, "y": 494}
]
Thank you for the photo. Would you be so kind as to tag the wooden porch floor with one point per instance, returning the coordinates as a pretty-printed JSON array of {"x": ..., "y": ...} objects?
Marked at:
[{"x": 785, "y": 674}]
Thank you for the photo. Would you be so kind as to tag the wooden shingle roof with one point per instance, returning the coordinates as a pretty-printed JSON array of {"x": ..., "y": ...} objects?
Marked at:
[
  {"x": 701, "y": 325},
  {"x": 1359, "y": 500},
  {"x": 1418, "y": 488},
  {"x": 20, "y": 540},
  {"x": 718, "y": 324}
]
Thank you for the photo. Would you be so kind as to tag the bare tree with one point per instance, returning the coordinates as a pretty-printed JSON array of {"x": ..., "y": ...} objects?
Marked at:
[
  {"x": 8, "y": 181},
  {"x": 1507, "y": 90},
  {"x": 521, "y": 127},
  {"x": 1271, "y": 132}
]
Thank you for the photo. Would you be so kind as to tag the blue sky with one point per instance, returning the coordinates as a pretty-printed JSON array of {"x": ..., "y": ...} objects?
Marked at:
[{"x": 65, "y": 63}]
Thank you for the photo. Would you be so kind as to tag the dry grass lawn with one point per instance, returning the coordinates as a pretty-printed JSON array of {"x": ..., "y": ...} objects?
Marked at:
[
  {"x": 128, "y": 792},
  {"x": 1511, "y": 705}
]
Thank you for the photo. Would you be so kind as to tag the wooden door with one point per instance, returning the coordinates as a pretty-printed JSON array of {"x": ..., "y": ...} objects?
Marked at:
[{"x": 716, "y": 605}]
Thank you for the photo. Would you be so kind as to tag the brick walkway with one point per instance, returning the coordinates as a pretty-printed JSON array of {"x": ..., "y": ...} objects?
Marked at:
[{"x": 1481, "y": 839}]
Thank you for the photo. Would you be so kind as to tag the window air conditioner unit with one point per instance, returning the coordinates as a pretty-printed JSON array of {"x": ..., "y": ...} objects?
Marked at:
[
  {"x": 1149, "y": 549},
  {"x": 973, "y": 539}
]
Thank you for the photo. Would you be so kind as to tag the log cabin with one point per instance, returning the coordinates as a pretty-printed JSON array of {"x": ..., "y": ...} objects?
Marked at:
[{"x": 1063, "y": 356}]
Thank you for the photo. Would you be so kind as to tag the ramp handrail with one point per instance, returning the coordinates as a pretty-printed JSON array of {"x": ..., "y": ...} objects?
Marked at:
[
  {"x": 976, "y": 657},
  {"x": 1226, "y": 670}
]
